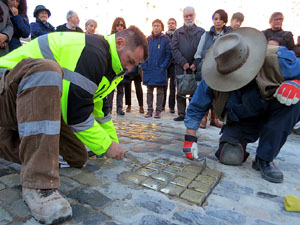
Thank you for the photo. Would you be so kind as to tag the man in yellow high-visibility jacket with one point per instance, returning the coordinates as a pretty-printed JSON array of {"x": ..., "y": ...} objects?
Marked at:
[{"x": 52, "y": 99}]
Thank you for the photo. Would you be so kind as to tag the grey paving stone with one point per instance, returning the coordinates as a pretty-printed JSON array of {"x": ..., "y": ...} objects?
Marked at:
[
  {"x": 262, "y": 222},
  {"x": 154, "y": 220},
  {"x": 225, "y": 193},
  {"x": 19, "y": 209},
  {"x": 195, "y": 218},
  {"x": 269, "y": 196},
  {"x": 16, "y": 167},
  {"x": 11, "y": 179},
  {"x": 119, "y": 211},
  {"x": 16, "y": 222},
  {"x": 236, "y": 188},
  {"x": 67, "y": 184},
  {"x": 86, "y": 216},
  {"x": 69, "y": 172},
  {"x": 87, "y": 178},
  {"x": 111, "y": 223},
  {"x": 31, "y": 221},
  {"x": 2, "y": 186},
  {"x": 227, "y": 215},
  {"x": 288, "y": 167},
  {"x": 5, "y": 218},
  {"x": 188, "y": 217},
  {"x": 154, "y": 204},
  {"x": 9, "y": 196},
  {"x": 5, "y": 171},
  {"x": 91, "y": 197}
]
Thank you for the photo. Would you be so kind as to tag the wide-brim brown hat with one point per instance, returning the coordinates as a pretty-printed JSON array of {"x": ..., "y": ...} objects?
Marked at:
[{"x": 234, "y": 59}]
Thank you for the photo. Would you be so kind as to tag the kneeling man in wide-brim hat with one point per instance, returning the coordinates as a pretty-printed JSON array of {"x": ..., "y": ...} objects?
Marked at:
[{"x": 255, "y": 89}]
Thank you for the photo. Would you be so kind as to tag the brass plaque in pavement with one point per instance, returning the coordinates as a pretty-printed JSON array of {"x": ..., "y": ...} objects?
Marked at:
[
  {"x": 162, "y": 176},
  {"x": 154, "y": 166},
  {"x": 192, "y": 182},
  {"x": 199, "y": 186},
  {"x": 181, "y": 181},
  {"x": 193, "y": 196},
  {"x": 153, "y": 184},
  {"x": 135, "y": 178},
  {"x": 145, "y": 172},
  {"x": 171, "y": 170},
  {"x": 211, "y": 173},
  {"x": 205, "y": 179},
  {"x": 172, "y": 190},
  {"x": 188, "y": 174}
]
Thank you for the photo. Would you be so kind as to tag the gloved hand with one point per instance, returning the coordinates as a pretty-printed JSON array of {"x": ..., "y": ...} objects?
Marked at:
[
  {"x": 190, "y": 147},
  {"x": 288, "y": 92}
]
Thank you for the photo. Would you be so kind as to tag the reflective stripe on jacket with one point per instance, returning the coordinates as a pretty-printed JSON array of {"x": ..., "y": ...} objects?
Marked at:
[{"x": 90, "y": 65}]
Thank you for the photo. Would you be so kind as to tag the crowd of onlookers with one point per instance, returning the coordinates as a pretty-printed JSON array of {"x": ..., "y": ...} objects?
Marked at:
[{"x": 174, "y": 52}]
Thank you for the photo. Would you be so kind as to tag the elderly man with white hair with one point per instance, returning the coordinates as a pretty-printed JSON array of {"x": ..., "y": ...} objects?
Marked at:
[
  {"x": 184, "y": 45},
  {"x": 72, "y": 23}
]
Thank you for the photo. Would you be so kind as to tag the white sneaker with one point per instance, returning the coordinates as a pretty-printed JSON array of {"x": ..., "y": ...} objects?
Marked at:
[
  {"x": 47, "y": 206},
  {"x": 62, "y": 162}
]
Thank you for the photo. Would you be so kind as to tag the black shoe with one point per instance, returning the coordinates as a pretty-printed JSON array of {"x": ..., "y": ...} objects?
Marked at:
[
  {"x": 179, "y": 118},
  {"x": 172, "y": 111},
  {"x": 267, "y": 170},
  {"x": 121, "y": 112}
]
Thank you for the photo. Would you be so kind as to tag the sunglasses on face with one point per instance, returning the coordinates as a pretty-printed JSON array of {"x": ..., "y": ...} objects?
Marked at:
[{"x": 120, "y": 25}]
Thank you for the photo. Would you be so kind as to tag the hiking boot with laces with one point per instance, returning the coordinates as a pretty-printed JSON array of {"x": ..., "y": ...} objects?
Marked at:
[{"x": 47, "y": 205}]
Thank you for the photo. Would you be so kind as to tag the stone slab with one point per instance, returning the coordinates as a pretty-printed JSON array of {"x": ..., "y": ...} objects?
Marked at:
[
  {"x": 173, "y": 190},
  {"x": 193, "y": 196}
]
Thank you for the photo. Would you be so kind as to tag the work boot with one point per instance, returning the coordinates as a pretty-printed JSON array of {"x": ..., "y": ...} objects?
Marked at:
[
  {"x": 47, "y": 205},
  {"x": 214, "y": 121},
  {"x": 148, "y": 114},
  {"x": 157, "y": 115},
  {"x": 141, "y": 110},
  {"x": 268, "y": 171},
  {"x": 204, "y": 121},
  {"x": 179, "y": 118},
  {"x": 128, "y": 108}
]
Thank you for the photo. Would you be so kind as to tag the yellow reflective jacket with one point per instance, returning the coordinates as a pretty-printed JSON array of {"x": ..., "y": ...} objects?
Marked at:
[{"x": 92, "y": 69}]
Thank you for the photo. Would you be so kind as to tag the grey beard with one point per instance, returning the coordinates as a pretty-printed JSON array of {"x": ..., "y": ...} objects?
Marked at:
[{"x": 189, "y": 24}]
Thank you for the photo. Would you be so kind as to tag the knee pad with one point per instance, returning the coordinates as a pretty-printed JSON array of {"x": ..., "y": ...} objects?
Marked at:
[{"x": 232, "y": 154}]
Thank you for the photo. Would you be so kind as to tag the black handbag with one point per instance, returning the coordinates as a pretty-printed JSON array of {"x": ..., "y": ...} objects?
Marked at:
[{"x": 186, "y": 84}]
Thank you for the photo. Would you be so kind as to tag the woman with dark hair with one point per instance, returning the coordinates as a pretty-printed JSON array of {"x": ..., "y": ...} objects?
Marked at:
[
  {"x": 155, "y": 67},
  {"x": 219, "y": 28},
  {"x": 118, "y": 25},
  {"x": 18, "y": 12}
]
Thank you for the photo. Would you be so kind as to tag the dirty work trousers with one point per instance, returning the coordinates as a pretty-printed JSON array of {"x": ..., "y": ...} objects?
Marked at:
[
  {"x": 272, "y": 128},
  {"x": 32, "y": 132}
]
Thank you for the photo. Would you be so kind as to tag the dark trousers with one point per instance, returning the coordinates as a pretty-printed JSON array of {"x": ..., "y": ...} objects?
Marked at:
[
  {"x": 31, "y": 131},
  {"x": 159, "y": 98},
  {"x": 119, "y": 101},
  {"x": 181, "y": 104},
  {"x": 271, "y": 128},
  {"x": 138, "y": 91},
  {"x": 171, "y": 93}
]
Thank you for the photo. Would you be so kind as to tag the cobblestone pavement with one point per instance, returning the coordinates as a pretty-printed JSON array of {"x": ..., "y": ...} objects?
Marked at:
[{"x": 113, "y": 192}]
